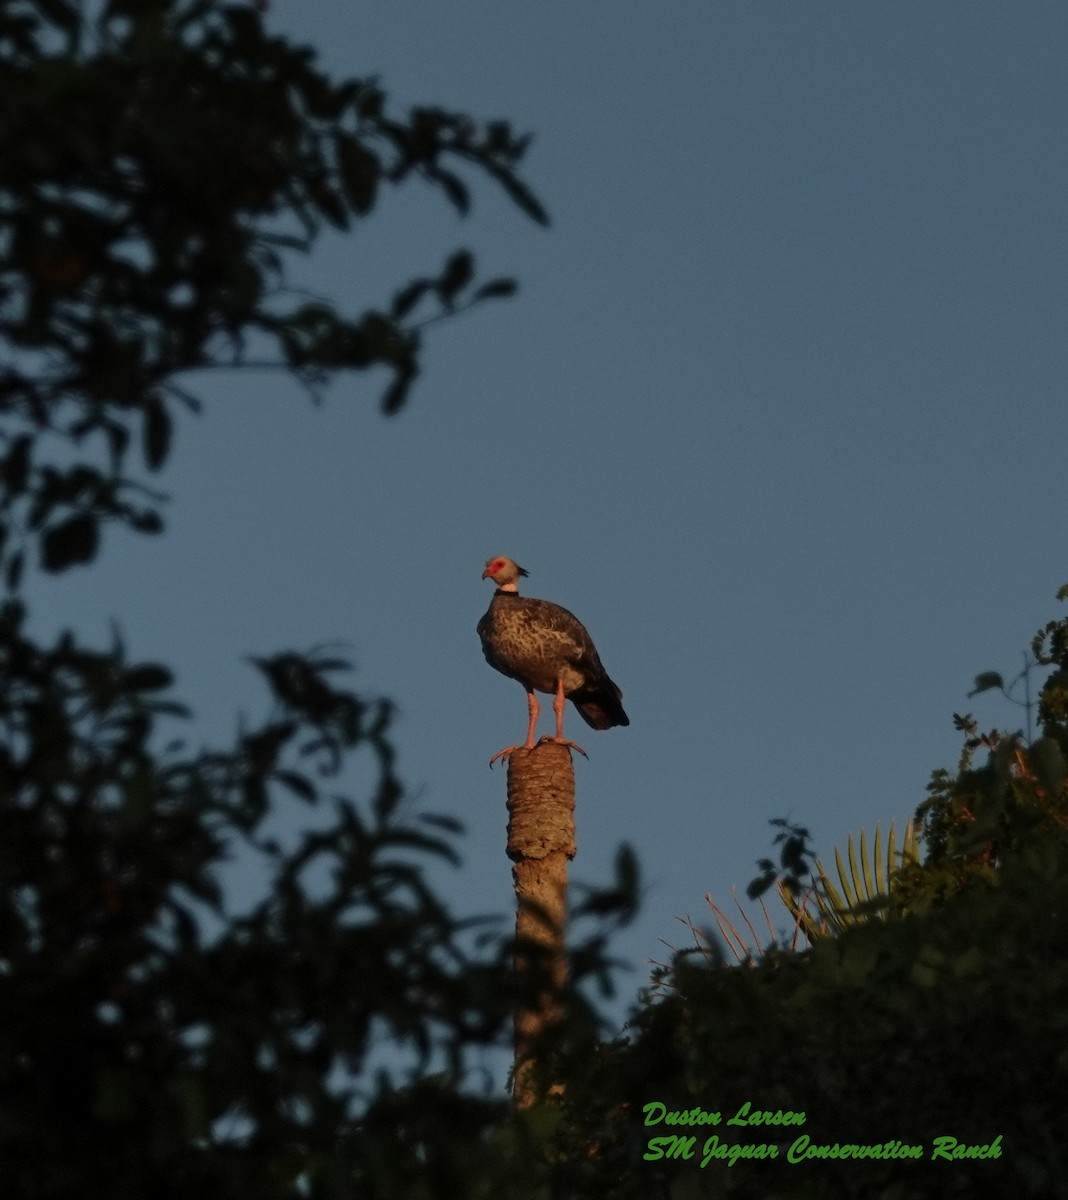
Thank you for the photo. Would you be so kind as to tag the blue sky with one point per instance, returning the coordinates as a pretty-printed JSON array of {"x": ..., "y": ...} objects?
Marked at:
[{"x": 778, "y": 413}]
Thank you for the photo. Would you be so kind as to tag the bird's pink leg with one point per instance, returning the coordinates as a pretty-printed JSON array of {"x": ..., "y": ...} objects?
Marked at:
[
  {"x": 558, "y": 708},
  {"x": 533, "y": 706}
]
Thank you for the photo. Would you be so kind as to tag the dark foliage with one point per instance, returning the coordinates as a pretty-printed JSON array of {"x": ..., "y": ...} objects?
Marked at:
[
  {"x": 161, "y": 162},
  {"x": 945, "y": 1018},
  {"x": 155, "y": 1041}
]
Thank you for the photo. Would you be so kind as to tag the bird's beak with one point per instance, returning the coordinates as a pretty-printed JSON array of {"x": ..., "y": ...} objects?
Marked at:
[{"x": 486, "y": 574}]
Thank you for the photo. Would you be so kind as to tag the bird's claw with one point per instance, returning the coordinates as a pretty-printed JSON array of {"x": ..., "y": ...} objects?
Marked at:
[
  {"x": 564, "y": 742},
  {"x": 508, "y": 751}
]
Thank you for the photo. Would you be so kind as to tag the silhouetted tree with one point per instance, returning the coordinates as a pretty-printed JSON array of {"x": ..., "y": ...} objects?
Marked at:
[{"x": 162, "y": 162}]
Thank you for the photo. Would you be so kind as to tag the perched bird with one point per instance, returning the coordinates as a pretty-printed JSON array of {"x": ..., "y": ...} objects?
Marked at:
[{"x": 548, "y": 650}]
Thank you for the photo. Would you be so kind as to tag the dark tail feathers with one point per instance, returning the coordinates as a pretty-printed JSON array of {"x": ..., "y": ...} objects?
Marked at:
[{"x": 600, "y": 706}]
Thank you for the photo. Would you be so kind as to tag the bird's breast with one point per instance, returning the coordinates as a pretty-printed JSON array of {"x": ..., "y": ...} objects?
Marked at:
[{"x": 535, "y": 654}]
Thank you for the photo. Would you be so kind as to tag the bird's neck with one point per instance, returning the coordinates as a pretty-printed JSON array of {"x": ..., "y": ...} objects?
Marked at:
[{"x": 513, "y": 588}]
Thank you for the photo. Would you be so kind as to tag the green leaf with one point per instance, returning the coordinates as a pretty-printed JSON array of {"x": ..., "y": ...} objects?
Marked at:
[
  {"x": 837, "y": 906},
  {"x": 75, "y": 541},
  {"x": 852, "y": 899},
  {"x": 882, "y": 865},
  {"x": 865, "y": 866}
]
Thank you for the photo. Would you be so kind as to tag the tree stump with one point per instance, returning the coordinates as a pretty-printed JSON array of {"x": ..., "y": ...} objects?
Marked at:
[{"x": 541, "y": 841}]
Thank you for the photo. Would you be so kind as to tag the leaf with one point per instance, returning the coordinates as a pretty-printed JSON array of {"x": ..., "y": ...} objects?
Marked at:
[
  {"x": 846, "y": 879},
  {"x": 628, "y": 875},
  {"x": 75, "y": 541},
  {"x": 836, "y": 904},
  {"x": 329, "y": 204},
  {"x": 395, "y": 396},
  {"x": 1048, "y": 764},
  {"x": 118, "y": 437},
  {"x": 455, "y": 189},
  {"x": 148, "y": 678},
  {"x": 157, "y": 433},
  {"x": 146, "y": 522},
  {"x": 458, "y": 273},
  {"x": 13, "y": 574},
  {"x": 16, "y": 466},
  {"x": 969, "y": 962},
  {"x": 856, "y": 962},
  {"x": 116, "y": 1099},
  {"x": 61, "y": 12},
  {"x": 883, "y": 866},
  {"x": 520, "y": 193},
  {"x": 408, "y": 297},
  {"x": 360, "y": 171},
  {"x": 757, "y": 887},
  {"x": 245, "y": 25},
  {"x": 496, "y": 288},
  {"x": 264, "y": 747},
  {"x": 865, "y": 867},
  {"x": 928, "y": 967},
  {"x": 441, "y": 821},
  {"x": 297, "y": 784},
  {"x": 986, "y": 681}
]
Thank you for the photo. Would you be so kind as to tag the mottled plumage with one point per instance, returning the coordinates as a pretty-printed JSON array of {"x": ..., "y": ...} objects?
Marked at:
[{"x": 547, "y": 649}]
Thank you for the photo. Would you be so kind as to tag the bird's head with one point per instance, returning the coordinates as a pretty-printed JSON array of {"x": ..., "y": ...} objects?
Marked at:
[{"x": 504, "y": 572}]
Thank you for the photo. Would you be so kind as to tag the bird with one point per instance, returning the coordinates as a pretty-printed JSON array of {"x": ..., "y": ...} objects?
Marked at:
[{"x": 547, "y": 649}]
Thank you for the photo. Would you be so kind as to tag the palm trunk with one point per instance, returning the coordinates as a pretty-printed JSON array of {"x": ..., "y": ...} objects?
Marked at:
[{"x": 541, "y": 840}]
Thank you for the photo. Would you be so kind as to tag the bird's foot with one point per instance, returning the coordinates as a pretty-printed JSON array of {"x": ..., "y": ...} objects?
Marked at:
[
  {"x": 561, "y": 741},
  {"x": 510, "y": 750}
]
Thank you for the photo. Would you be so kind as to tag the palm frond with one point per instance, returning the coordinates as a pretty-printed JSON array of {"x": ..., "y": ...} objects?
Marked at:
[{"x": 865, "y": 881}]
